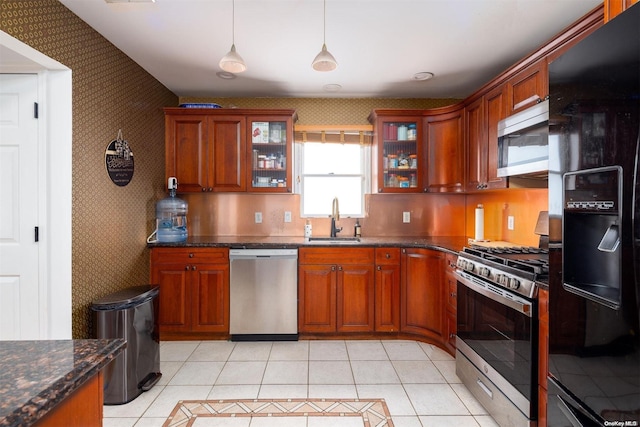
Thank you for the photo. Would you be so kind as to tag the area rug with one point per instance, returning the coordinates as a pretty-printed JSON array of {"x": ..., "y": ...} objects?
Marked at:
[{"x": 373, "y": 412}]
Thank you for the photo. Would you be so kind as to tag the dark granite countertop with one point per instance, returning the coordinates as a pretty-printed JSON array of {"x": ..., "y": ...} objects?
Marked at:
[
  {"x": 452, "y": 244},
  {"x": 37, "y": 375}
]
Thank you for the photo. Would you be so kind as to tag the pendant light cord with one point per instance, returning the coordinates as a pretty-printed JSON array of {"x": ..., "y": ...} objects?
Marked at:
[
  {"x": 324, "y": 23},
  {"x": 233, "y": 22}
]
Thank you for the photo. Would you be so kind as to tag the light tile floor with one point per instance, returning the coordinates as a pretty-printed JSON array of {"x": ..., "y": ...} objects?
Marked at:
[{"x": 417, "y": 381}]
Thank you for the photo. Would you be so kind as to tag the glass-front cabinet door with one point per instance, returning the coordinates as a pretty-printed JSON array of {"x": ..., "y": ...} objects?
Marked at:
[
  {"x": 271, "y": 139},
  {"x": 398, "y": 153}
]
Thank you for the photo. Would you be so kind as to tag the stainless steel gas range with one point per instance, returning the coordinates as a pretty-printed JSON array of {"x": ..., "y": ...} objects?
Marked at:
[{"x": 496, "y": 355}]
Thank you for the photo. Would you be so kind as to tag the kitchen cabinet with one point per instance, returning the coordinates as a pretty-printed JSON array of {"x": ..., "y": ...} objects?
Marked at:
[
  {"x": 450, "y": 290},
  {"x": 335, "y": 290},
  {"x": 194, "y": 290},
  {"x": 205, "y": 151},
  {"x": 271, "y": 153},
  {"x": 218, "y": 150},
  {"x": 387, "y": 289},
  {"x": 445, "y": 151},
  {"x": 398, "y": 157},
  {"x": 528, "y": 87},
  {"x": 421, "y": 309},
  {"x": 543, "y": 354},
  {"x": 613, "y": 8},
  {"x": 481, "y": 122}
]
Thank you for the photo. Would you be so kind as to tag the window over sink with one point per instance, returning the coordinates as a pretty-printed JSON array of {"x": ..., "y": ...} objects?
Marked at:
[{"x": 332, "y": 163}]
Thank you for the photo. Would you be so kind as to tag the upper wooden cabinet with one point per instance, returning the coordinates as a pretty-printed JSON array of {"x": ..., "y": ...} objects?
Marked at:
[
  {"x": 444, "y": 134},
  {"x": 215, "y": 150},
  {"x": 613, "y": 8},
  {"x": 528, "y": 87},
  {"x": 398, "y": 151},
  {"x": 481, "y": 122},
  {"x": 418, "y": 151}
]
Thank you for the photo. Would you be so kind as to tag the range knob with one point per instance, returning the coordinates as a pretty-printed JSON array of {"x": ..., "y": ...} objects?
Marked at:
[
  {"x": 484, "y": 271},
  {"x": 514, "y": 283},
  {"x": 470, "y": 266},
  {"x": 502, "y": 279}
]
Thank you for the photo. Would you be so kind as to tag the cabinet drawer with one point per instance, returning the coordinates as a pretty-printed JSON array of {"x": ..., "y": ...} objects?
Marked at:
[
  {"x": 190, "y": 255},
  {"x": 340, "y": 255},
  {"x": 387, "y": 256}
]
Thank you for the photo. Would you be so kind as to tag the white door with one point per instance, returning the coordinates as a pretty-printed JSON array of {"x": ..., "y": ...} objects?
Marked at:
[{"x": 19, "y": 261}]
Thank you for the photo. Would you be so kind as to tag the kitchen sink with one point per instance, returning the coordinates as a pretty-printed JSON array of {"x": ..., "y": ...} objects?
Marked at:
[{"x": 334, "y": 240}]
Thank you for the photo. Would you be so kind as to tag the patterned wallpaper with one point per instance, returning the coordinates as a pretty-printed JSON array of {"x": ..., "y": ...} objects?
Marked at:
[
  {"x": 110, "y": 92},
  {"x": 322, "y": 111}
]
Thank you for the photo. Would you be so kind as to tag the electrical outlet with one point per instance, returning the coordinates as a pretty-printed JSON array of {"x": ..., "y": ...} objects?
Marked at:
[
  {"x": 510, "y": 222},
  {"x": 406, "y": 217},
  {"x": 287, "y": 216},
  {"x": 258, "y": 217}
]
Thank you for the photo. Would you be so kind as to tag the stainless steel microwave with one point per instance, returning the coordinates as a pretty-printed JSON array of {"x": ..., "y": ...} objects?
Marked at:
[{"x": 523, "y": 146}]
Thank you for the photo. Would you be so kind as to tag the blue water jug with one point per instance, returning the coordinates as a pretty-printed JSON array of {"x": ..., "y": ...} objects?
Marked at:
[{"x": 171, "y": 216}]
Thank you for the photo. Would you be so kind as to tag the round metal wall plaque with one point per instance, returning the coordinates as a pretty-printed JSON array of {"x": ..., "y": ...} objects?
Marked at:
[{"x": 118, "y": 159}]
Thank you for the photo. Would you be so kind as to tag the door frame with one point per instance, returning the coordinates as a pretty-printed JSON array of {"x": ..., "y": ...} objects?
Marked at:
[{"x": 54, "y": 181}]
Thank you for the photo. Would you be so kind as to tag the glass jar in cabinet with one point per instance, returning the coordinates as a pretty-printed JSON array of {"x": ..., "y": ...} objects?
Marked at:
[
  {"x": 271, "y": 141},
  {"x": 397, "y": 151}
]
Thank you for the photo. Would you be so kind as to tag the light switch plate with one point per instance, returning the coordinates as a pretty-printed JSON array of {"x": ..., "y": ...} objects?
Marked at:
[
  {"x": 406, "y": 217},
  {"x": 258, "y": 217},
  {"x": 287, "y": 216},
  {"x": 510, "y": 222}
]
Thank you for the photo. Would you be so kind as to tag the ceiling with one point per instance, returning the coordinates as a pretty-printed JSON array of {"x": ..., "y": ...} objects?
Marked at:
[{"x": 379, "y": 44}]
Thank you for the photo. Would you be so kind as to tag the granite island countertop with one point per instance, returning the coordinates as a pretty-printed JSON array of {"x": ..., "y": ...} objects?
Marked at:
[
  {"x": 451, "y": 244},
  {"x": 37, "y": 375}
]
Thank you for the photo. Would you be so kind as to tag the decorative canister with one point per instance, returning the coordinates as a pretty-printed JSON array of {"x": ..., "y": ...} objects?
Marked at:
[
  {"x": 402, "y": 132},
  {"x": 413, "y": 161},
  {"x": 393, "y": 161}
]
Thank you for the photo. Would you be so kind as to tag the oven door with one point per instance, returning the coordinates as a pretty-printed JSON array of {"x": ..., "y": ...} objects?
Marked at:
[{"x": 497, "y": 328}]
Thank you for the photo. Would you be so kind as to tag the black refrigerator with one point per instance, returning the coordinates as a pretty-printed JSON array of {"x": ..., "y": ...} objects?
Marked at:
[{"x": 594, "y": 347}]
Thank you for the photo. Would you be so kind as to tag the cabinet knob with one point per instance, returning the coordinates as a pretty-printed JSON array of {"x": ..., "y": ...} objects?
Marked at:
[
  {"x": 188, "y": 267},
  {"x": 333, "y": 268},
  {"x": 452, "y": 336},
  {"x": 387, "y": 255},
  {"x": 210, "y": 189},
  {"x": 340, "y": 268},
  {"x": 203, "y": 189},
  {"x": 191, "y": 255},
  {"x": 452, "y": 294},
  {"x": 379, "y": 268},
  {"x": 194, "y": 268}
]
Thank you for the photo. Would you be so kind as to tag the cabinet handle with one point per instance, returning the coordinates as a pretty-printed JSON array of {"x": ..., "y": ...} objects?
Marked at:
[
  {"x": 340, "y": 268},
  {"x": 210, "y": 189},
  {"x": 387, "y": 255},
  {"x": 379, "y": 268},
  {"x": 452, "y": 294},
  {"x": 333, "y": 268},
  {"x": 191, "y": 255},
  {"x": 203, "y": 189},
  {"x": 188, "y": 267},
  {"x": 452, "y": 335},
  {"x": 194, "y": 268}
]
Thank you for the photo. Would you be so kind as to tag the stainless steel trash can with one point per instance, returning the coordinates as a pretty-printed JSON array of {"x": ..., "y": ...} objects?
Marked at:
[{"x": 131, "y": 314}]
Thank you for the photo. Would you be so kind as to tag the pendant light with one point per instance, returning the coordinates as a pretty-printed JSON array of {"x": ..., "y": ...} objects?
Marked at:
[
  {"x": 324, "y": 61},
  {"x": 232, "y": 62}
]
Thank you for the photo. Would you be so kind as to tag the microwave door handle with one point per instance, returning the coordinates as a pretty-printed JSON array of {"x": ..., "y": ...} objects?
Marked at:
[{"x": 611, "y": 239}]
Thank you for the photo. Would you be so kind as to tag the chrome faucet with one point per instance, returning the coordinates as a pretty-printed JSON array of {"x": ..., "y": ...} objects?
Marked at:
[{"x": 335, "y": 216}]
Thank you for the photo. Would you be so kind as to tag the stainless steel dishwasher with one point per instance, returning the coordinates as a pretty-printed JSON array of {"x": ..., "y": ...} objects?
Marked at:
[{"x": 263, "y": 294}]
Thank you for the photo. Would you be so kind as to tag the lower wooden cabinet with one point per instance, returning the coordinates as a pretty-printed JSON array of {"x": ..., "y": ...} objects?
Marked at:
[
  {"x": 421, "y": 302},
  {"x": 194, "y": 290},
  {"x": 387, "y": 290},
  {"x": 335, "y": 290}
]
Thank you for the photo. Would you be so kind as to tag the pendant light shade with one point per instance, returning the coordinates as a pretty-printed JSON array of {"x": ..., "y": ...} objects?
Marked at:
[
  {"x": 324, "y": 61},
  {"x": 232, "y": 62}
]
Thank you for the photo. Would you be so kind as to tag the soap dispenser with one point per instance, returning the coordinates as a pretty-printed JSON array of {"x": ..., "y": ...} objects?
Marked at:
[{"x": 357, "y": 230}]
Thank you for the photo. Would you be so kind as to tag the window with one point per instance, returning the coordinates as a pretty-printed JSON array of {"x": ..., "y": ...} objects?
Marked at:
[{"x": 331, "y": 170}]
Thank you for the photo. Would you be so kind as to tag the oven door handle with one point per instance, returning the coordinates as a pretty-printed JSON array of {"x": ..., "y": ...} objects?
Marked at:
[{"x": 522, "y": 307}]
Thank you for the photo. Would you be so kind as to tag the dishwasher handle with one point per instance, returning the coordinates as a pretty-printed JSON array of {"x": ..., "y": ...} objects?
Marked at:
[{"x": 262, "y": 253}]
